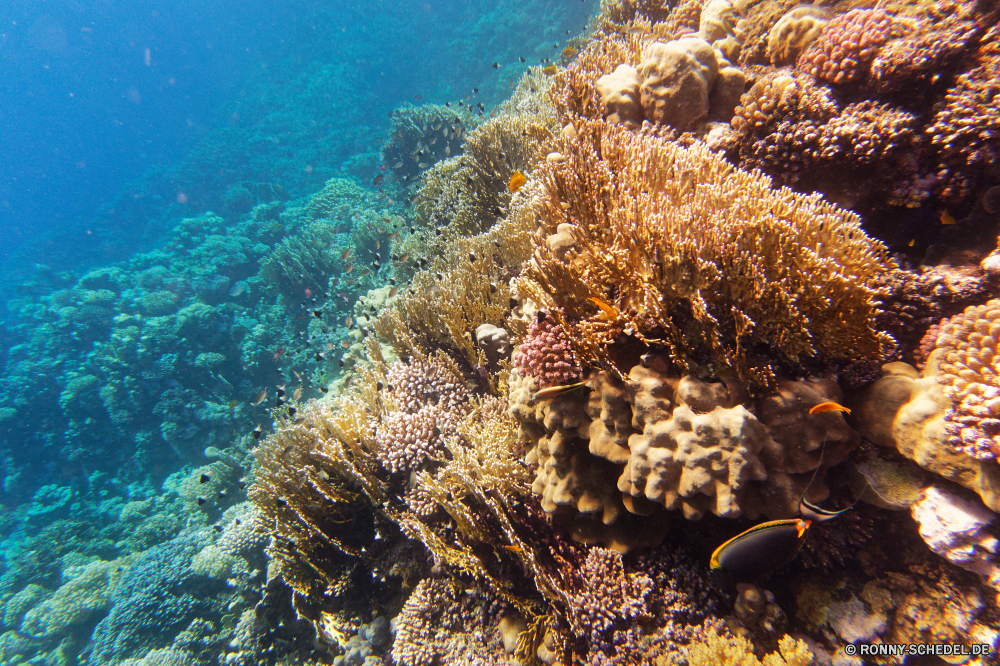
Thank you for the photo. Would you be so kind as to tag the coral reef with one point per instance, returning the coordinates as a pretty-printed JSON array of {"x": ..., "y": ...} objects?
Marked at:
[
  {"x": 844, "y": 50},
  {"x": 959, "y": 531},
  {"x": 545, "y": 354},
  {"x": 707, "y": 302}
]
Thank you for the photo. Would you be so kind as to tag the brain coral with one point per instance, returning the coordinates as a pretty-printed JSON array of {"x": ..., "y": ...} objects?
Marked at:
[
  {"x": 844, "y": 51},
  {"x": 620, "y": 96},
  {"x": 677, "y": 77}
]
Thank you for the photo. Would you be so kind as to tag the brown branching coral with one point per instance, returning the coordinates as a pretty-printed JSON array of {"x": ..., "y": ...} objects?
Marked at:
[
  {"x": 313, "y": 488},
  {"x": 469, "y": 193},
  {"x": 662, "y": 245},
  {"x": 460, "y": 291}
]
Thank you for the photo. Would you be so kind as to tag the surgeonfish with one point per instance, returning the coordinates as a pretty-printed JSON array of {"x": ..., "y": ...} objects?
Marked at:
[{"x": 761, "y": 550}]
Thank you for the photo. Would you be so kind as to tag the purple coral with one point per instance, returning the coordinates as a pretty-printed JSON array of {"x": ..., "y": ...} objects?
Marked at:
[
  {"x": 608, "y": 599},
  {"x": 847, "y": 46},
  {"x": 546, "y": 355}
]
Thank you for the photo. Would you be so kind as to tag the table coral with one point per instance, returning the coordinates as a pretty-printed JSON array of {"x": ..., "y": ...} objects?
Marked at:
[{"x": 845, "y": 49}]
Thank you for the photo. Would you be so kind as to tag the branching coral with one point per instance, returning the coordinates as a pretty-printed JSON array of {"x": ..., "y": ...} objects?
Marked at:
[
  {"x": 737, "y": 651},
  {"x": 545, "y": 354},
  {"x": 790, "y": 126},
  {"x": 965, "y": 129},
  {"x": 423, "y": 135},
  {"x": 661, "y": 242},
  {"x": 426, "y": 401},
  {"x": 609, "y": 599},
  {"x": 460, "y": 291},
  {"x": 468, "y": 194}
]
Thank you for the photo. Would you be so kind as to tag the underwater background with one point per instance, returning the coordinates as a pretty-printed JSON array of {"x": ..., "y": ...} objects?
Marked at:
[{"x": 620, "y": 332}]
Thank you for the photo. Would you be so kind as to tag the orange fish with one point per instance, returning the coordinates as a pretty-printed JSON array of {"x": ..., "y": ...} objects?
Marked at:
[
  {"x": 605, "y": 308},
  {"x": 517, "y": 181},
  {"x": 550, "y": 70},
  {"x": 568, "y": 52},
  {"x": 514, "y": 549},
  {"x": 824, "y": 407}
]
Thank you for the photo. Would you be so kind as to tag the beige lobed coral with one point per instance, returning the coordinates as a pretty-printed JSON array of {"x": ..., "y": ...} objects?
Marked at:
[
  {"x": 663, "y": 439},
  {"x": 795, "y": 31}
]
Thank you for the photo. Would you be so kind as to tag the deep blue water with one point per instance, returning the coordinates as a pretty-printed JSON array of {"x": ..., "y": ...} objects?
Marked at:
[{"x": 98, "y": 95}]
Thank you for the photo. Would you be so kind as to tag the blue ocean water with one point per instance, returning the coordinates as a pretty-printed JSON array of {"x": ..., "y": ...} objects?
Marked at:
[{"x": 157, "y": 160}]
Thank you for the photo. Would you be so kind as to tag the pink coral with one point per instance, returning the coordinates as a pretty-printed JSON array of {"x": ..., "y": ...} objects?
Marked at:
[
  {"x": 847, "y": 46},
  {"x": 545, "y": 354}
]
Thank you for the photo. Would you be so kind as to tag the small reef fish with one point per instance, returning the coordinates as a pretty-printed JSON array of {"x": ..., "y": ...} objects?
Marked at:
[
  {"x": 550, "y": 70},
  {"x": 517, "y": 181},
  {"x": 552, "y": 391},
  {"x": 608, "y": 310},
  {"x": 568, "y": 52},
  {"x": 824, "y": 407},
  {"x": 298, "y": 393},
  {"x": 761, "y": 550},
  {"x": 345, "y": 254},
  {"x": 238, "y": 288},
  {"x": 514, "y": 549},
  {"x": 377, "y": 180},
  {"x": 638, "y": 30},
  {"x": 393, "y": 291},
  {"x": 261, "y": 397}
]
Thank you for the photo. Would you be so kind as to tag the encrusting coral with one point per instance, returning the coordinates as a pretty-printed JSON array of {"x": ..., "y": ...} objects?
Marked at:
[{"x": 662, "y": 253}]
